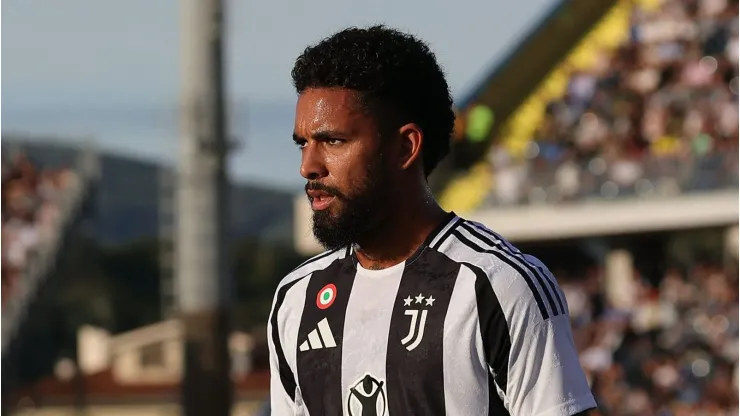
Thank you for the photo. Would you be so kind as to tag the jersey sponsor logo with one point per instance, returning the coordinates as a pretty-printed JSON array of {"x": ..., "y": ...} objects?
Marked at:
[
  {"x": 320, "y": 337},
  {"x": 326, "y": 296},
  {"x": 418, "y": 309},
  {"x": 367, "y": 397}
]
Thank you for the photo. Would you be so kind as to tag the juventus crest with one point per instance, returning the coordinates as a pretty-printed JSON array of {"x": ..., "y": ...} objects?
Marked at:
[{"x": 417, "y": 309}]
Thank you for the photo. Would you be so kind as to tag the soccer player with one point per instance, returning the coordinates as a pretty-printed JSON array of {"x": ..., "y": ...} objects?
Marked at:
[{"x": 412, "y": 310}]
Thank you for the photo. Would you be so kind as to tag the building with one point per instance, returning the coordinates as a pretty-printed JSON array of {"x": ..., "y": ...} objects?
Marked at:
[{"x": 135, "y": 373}]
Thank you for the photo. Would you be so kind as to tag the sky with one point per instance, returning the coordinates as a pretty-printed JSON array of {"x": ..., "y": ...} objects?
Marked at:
[{"x": 108, "y": 69}]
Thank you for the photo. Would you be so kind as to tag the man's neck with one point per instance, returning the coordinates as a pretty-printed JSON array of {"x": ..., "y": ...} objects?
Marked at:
[{"x": 400, "y": 235}]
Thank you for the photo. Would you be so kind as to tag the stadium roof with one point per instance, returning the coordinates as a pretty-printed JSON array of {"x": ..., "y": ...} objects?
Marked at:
[{"x": 497, "y": 67}]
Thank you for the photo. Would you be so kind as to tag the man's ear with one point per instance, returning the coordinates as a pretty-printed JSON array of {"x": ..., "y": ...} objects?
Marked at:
[{"x": 412, "y": 139}]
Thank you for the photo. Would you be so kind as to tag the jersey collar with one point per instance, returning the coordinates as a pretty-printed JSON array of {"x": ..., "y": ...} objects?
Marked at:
[{"x": 449, "y": 218}]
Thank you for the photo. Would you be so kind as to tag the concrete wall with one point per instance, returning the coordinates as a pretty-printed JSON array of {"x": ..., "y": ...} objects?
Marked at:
[
  {"x": 577, "y": 220},
  {"x": 127, "y": 367}
]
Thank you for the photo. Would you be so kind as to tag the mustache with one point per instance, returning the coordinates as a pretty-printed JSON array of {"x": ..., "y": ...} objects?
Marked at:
[{"x": 318, "y": 186}]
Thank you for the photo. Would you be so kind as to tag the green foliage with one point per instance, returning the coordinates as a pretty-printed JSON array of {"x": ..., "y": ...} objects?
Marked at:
[{"x": 258, "y": 268}]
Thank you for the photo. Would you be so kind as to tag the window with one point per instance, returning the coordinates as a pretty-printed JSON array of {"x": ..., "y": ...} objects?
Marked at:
[{"x": 152, "y": 355}]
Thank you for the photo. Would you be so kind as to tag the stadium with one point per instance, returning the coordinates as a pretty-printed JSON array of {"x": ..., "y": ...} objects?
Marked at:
[{"x": 605, "y": 143}]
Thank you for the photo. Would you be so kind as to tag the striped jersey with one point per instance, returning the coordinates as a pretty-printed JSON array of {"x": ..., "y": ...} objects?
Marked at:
[{"x": 468, "y": 325}]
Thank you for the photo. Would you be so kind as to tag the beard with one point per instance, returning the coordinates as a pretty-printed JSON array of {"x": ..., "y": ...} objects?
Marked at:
[{"x": 354, "y": 214}]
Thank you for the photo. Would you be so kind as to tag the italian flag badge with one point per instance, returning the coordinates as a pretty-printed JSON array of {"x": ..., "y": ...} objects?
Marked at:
[{"x": 326, "y": 296}]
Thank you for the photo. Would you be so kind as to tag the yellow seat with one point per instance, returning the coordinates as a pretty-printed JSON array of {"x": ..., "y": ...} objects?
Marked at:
[{"x": 466, "y": 193}]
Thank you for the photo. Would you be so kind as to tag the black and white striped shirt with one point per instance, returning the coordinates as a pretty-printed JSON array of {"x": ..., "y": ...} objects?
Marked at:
[{"x": 468, "y": 325}]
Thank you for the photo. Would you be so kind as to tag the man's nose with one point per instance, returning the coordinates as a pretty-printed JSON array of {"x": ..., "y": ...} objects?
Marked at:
[{"x": 312, "y": 163}]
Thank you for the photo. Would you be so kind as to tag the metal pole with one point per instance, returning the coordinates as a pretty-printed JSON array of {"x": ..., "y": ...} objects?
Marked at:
[
  {"x": 166, "y": 242},
  {"x": 203, "y": 283}
]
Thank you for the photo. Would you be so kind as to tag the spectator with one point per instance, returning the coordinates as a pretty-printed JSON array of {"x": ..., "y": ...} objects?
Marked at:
[
  {"x": 29, "y": 213},
  {"x": 660, "y": 113},
  {"x": 675, "y": 352}
]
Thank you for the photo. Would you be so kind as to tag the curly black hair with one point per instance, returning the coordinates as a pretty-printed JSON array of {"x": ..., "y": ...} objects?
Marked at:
[{"x": 394, "y": 70}]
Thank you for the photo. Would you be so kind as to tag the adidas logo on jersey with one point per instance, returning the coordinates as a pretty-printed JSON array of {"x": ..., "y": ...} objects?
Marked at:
[{"x": 319, "y": 338}]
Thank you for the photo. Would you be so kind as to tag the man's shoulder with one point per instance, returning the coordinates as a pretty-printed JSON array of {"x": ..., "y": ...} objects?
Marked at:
[
  {"x": 517, "y": 280},
  {"x": 477, "y": 246},
  {"x": 314, "y": 264},
  {"x": 286, "y": 298}
]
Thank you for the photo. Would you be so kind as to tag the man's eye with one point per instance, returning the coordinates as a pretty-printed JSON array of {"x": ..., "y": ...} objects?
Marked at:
[
  {"x": 334, "y": 142},
  {"x": 300, "y": 144}
]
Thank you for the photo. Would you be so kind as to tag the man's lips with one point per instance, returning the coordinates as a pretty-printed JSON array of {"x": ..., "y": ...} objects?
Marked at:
[{"x": 319, "y": 199}]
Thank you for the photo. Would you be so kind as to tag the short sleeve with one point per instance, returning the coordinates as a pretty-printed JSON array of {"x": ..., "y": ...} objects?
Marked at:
[
  {"x": 545, "y": 377},
  {"x": 528, "y": 343}
]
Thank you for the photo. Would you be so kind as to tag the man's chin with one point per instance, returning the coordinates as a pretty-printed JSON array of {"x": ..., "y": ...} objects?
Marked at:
[
  {"x": 330, "y": 239},
  {"x": 330, "y": 232},
  {"x": 345, "y": 222}
]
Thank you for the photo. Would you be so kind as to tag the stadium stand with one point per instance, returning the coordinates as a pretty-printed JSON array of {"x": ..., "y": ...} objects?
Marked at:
[
  {"x": 40, "y": 204},
  {"x": 674, "y": 352},
  {"x": 29, "y": 209},
  {"x": 583, "y": 135},
  {"x": 645, "y": 103},
  {"x": 633, "y": 131},
  {"x": 128, "y": 199}
]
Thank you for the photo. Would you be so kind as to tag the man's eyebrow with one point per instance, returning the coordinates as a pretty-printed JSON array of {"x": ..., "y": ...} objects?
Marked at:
[
  {"x": 321, "y": 135},
  {"x": 328, "y": 134}
]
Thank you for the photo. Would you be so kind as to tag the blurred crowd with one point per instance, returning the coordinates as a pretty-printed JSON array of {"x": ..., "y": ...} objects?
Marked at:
[
  {"x": 674, "y": 353},
  {"x": 659, "y": 116},
  {"x": 30, "y": 211}
]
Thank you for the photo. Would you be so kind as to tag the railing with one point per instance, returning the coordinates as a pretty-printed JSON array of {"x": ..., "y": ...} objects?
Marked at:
[
  {"x": 43, "y": 258},
  {"x": 540, "y": 182}
]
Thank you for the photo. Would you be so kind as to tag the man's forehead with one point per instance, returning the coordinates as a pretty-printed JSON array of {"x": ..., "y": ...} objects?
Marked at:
[
  {"x": 329, "y": 99},
  {"x": 326, "y": 109}
]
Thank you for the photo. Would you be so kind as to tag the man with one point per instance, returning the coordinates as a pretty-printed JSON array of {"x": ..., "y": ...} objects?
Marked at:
[{"x": 412, "y": 310}]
